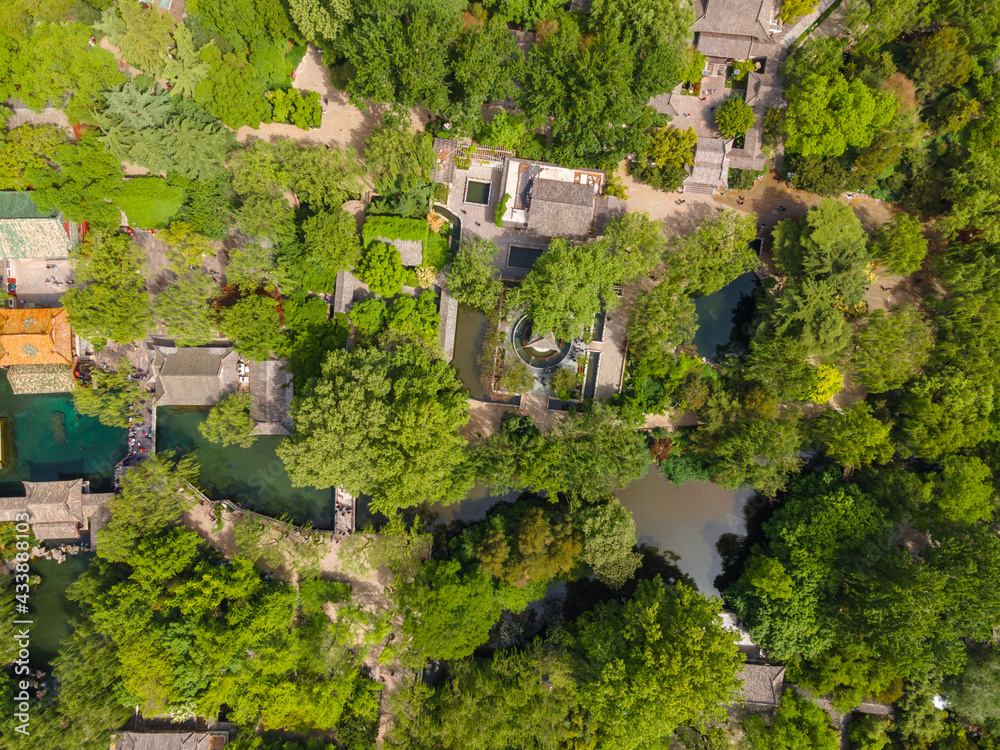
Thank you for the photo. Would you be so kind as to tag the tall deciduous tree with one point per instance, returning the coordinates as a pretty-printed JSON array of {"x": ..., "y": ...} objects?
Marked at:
[
  {"x": 474, "y": 278},
  {"x": 110, "y": 301},
  {"x": 184, "y": 308},
  {"x": 566, "y": 287},
  {"x": 85, "y": 187},
  {"x": 855, "y": 438},
  {"x": 254, "y": 326},
  {"x": 229, "y": 422},
  {"x": 829, "y": 245},
  {"x": 384, "y": 424},
  {"x": 891, "y": 348},
  {"x": 331, "y": 245},
  {"x": 625, "y": 653},
  {"x": 827, "y": 114},
  {"x": 636, "y": 243},
  {"x": 900, "y": 244},
  {"x": 734, "y": 117},
  {"x": 663, "y": 318},
  {"x": 399, "y": 160},
  {"x": 716, "y": 253},
  {"x": 113, "y": 397},
  {"x": 141, "y": 33}
]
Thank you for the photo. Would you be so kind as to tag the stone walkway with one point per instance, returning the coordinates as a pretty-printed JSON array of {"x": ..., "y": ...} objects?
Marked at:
[{"x": 48, "y": 116}]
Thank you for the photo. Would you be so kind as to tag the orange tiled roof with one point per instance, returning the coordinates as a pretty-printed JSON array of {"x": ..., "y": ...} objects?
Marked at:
[{"x": 38, "y": 336}]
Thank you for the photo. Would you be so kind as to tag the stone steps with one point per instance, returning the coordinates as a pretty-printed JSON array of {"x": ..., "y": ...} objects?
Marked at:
[{"x": 697, "y": 187}]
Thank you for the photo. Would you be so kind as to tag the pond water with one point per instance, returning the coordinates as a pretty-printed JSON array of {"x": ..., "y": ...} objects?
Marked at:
[
  {"x": 50, "y": 608},
  {"x": 473, "y": 508},
  {"x": 523, "y": 257},
  {"x": 722, "y": 311},
  {"x": 470, "y": 332},
  {"x": 45, "y": 439},
  {"x": 477, "y": 192},
  {"x": 253, "y": 477},
  {"x": 686, "y": 520}
]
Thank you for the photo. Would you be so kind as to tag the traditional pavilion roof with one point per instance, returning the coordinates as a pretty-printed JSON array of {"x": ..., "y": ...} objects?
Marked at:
[
  {"x": 56, "y": 510},
  {"x": 747, "y": 18},
  {"x": 561, "y": 209},
  {"x": 35, "y": 336},
  {"x": 195, "y": 376},
  {"x": 184, "y": 740},
  {"x": 41, "y": 378},
  {"x": 33, "y": 239},
  {"x": 271, "y": 397}
]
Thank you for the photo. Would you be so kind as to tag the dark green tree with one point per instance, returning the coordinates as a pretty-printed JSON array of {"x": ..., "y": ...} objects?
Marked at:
[
  {"x": 254, "y": 326},
  {"x": 384, "y": 424},
  {"x": 229, "y": 422},
  {"x": 474, "y": 278}
]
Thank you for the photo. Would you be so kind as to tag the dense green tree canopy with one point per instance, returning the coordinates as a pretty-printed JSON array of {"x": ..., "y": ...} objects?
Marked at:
[
  {"x": 829, "y": 113},
  {"x": 229, "y": 422},
  {"x": 714, "y": 254},
  {"x": 114, "y": 397},
  {"x": 474, "y": 278},
  {"x": 566, "y": 288},
  {"x": 381, "y": 423},
  {"x": 855, "y": 437},
  {"x": 734, "y": 117},
  {"x": 253, "y": 325},
  {"x": 626, "y": 653},
  {"x": 112, "y": 303}
]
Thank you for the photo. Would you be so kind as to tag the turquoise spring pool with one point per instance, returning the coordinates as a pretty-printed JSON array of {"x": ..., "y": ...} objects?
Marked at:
[{"x": 45, "y": 438}]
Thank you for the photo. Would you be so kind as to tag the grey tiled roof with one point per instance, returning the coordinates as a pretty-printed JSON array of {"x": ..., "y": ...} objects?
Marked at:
[
  {"x": 56, "y": 510},
  {"x": 763, "y": 684},
  {"x": 764, "y": 91},
  {"x": 736, "y": 17},
  {"x": 194, "y": 376},
  {"x": 33, "y": 238},
  {"x": 185, "y": 740},
  {"x": 561, "y": 209},
  {"x": 271, "y": 397},
  {"x": 724, "y": 46}
]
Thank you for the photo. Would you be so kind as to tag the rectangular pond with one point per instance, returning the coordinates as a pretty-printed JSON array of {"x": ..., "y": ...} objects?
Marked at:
[
  {"x": 523, "y": 257},
  {"x": 477, "y": 192},
  {"x": 254, "y": 477},
  {"x": 45, "y": 438}
]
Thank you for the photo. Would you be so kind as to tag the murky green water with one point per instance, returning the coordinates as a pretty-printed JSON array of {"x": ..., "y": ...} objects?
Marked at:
[
  {"x": 46, "y": 439},
  {"x": 50, "y": 608},
  {"x": 686, "y": 520},
  {"x": 470, "y": 332},
  {"x": 253, "y": 477},
  {"x": 718, "y": 314}
]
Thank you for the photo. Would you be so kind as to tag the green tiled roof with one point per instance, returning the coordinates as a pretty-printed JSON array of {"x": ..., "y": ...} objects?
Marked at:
[
  {"x": 33, "y": 238},
  {"x": 15, "y": 205},
  {"x": 40, "y": 378}
]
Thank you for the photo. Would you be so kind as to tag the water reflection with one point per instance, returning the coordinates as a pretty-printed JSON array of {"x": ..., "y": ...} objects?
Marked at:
[
  {"x": 687, "y": 521},
  {"x": 470, "y": 332}
]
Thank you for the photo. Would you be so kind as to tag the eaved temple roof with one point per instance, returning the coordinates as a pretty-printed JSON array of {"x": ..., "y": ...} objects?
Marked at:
[
  {"x": 271, "y": 397},
  {"x": 184, "y": 740},
  {"x": 35, "y": 336},
  {"x": 41, "y": 378},
  {"x": 194, "y": 376},
  {"x": 749, "y": 18},
  {"x": 561, "y": 209},
  {"x": 762, "y": 684},
  {"x": 56, "y": 510}
]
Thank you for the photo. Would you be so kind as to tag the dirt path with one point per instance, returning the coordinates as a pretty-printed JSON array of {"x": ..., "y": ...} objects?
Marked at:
[
  {"x": 343, "y": 124},
  {"x": 370, "y": 588}
]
